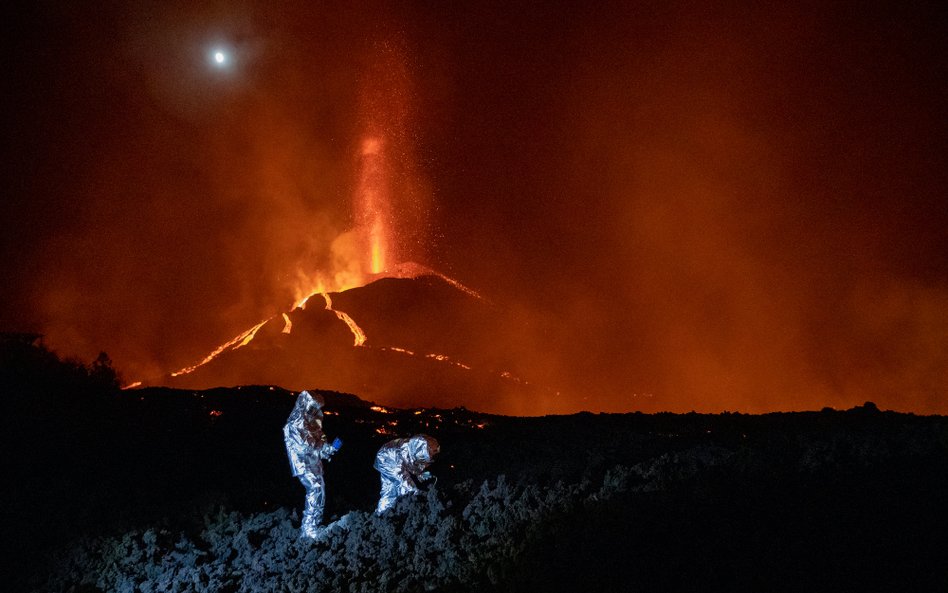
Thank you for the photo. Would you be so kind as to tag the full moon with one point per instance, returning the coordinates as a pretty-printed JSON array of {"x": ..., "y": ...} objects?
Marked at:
[{"x": 220, "y": 56}]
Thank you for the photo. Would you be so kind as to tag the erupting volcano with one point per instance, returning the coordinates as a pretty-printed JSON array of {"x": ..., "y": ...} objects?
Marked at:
[
  {"x": 669, "y": 208},
  {"x": 397, "y": 332},
  {"x": 409, "y": 337},
  {"x": 669, "y": 279},
  {"x": 391, "y": 330},
  {"x": 373, "y": 234}
]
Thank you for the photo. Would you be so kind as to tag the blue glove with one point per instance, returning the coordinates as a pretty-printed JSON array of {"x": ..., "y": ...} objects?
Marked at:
[{"x": 337, "y": 443}]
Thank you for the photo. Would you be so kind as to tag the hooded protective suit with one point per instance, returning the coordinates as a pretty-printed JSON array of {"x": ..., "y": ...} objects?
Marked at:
[
  {"x": 306, "y": 447},
  {"x": 402, "y": 463}
]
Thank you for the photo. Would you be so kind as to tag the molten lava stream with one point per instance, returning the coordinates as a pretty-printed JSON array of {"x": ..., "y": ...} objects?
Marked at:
[
  {"x": 238, "y": 342},
  {"x": 357, "y": 332}
]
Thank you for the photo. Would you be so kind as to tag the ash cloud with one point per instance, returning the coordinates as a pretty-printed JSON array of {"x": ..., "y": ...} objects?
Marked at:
[
  {"x": 688, "y": 208},
  {"x": 724, "y": 211},
  {"x": 193, "y": 197}
]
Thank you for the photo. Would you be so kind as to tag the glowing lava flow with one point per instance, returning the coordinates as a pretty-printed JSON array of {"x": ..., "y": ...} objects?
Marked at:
[
  {"x": 447, "y": 359},
  {"x": 506, "y": 375},
  {"x": 415, "y": 270},
  {"x": 408, "y": 270},
  {"x": 459, "y": 286},
  {"x": 438, "y": 357},
  {"x": 301, "y": 304},
  {"x": 238, "y": 342},
  {"x": 353, "y": 326}
]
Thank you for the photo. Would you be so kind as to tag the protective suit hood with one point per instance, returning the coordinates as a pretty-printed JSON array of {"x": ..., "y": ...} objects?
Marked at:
[
  {"x": 422, "y": 448},
  {"x": 310, "y": 400}
]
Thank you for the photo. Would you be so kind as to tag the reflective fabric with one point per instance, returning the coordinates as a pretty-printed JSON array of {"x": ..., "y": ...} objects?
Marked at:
[
  {"x": 315, "y": 503},
  {"x": 306, "y": 447},
  {"x": 401, "y": 462},
  {"x": 303, "y": 435}
]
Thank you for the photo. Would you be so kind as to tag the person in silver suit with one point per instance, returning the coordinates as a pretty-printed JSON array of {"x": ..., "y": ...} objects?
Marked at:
[
  {"x": 306, "y": 447},
  {"x": 403, "y": 464}
]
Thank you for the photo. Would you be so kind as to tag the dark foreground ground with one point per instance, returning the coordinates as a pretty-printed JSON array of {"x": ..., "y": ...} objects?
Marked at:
[{"x": 160, "y": 490}]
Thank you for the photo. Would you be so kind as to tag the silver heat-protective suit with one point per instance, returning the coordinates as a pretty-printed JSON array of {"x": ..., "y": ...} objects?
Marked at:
[
  {"x": 306, "y": 447},
  {"x": 402, "y": 463}
]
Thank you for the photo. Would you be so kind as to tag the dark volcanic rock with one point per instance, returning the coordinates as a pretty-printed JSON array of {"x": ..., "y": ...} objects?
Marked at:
[
  {"x": 184, "y": 490},
  {"x": 192, "y": 489}
]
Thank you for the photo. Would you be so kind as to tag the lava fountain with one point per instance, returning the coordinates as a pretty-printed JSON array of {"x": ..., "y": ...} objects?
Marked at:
[
  {"x": 385, "y": 183},
  {"x": 388, "y": 207},
  {"x": 373, "y": 206}
]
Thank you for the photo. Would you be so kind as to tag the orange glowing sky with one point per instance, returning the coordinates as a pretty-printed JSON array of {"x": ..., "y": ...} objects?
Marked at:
[{"x": 731, "y": 208}]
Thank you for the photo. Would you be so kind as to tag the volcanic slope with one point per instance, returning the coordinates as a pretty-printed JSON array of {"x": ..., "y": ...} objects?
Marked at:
[{"x": 422, "y": 341}]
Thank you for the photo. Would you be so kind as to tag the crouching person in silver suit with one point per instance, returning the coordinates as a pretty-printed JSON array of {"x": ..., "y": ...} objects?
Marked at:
[
  {"x": 306, "y": 447},
  {"x": 403, "y": 464}
]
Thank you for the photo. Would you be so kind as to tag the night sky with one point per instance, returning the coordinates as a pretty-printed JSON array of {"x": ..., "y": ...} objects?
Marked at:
[{"x": 718, "y": 206}]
